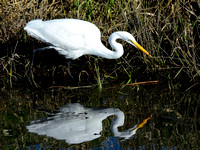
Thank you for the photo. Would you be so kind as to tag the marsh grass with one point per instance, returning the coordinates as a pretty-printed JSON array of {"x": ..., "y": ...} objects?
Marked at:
[{"x": 169, "y": 30}]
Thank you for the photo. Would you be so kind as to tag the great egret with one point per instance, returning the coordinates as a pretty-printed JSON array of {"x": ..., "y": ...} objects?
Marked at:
[
  {"x": 76, "y": 124},
  {"x": 74, "y": 38}
]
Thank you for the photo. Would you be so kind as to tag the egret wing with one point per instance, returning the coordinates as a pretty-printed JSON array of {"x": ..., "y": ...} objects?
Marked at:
[{"x": 69, "y": 34}]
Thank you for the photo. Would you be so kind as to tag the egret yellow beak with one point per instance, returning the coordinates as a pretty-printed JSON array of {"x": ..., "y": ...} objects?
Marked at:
[
  {"x": 140, "y": 48},
  {"x": 142, "y": 123}
]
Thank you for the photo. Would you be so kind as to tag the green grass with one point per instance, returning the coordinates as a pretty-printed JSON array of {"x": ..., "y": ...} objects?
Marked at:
[{"x": 169, "y": 30}]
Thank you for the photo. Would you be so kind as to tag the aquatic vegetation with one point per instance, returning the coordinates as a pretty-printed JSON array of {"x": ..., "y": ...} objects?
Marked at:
[{"x": 169, "y": 30}]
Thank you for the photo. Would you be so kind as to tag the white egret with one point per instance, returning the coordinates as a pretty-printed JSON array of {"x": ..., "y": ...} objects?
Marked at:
[
  {"x": 76, "y": 124},
  {"x": 74, "y": 38}
]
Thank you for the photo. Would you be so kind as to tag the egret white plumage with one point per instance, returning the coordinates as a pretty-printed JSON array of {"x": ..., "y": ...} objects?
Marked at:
[
  {"x": 74, "y": 38},
  {"x": 77, "y": 124}
]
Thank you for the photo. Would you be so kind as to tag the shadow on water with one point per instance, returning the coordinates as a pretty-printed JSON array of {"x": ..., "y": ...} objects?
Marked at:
[{"x": 174, "y": 123}]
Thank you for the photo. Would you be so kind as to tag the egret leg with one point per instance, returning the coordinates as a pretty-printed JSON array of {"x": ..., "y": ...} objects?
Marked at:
[
  {"x": 68, "y": 69},
  {"x": 46, "y": 48},
  {"x": 37, "y": 50}
]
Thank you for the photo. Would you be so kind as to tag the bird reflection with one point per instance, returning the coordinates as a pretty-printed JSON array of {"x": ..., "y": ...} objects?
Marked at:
[{"x": 76, "y": 124}]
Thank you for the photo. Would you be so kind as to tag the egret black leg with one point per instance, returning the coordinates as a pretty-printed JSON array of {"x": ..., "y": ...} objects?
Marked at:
[
  {"x": 37, "y": 50},
  {"x": 68, "y": 69},
  {"x": 46, "y": 48}
]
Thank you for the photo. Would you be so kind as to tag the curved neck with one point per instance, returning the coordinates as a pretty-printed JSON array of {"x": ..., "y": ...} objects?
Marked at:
[
  {"x": 116, "y": 122},
  {"x": 119, "y": 121},
  {"x": 107, "y": 53}
]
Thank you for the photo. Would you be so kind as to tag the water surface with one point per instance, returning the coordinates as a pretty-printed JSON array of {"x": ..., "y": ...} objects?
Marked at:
[{"x": 174, "y": 123}]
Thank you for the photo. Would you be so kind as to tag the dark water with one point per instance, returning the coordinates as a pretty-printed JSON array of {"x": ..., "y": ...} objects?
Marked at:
[{"x": 175, "y": 121}]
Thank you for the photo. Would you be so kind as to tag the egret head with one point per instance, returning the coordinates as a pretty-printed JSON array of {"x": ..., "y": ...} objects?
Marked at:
[{"x": 131, "y": 40}]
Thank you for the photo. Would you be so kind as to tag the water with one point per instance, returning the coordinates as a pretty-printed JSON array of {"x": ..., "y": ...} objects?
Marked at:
[{"x": 175, "y": 121}]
